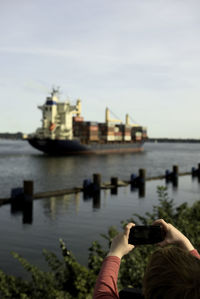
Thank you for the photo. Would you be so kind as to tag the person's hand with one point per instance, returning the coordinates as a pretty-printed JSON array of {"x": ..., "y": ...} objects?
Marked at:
[
  {"x": 173, "y": 236},
  {"x": 120, "y": 246}
]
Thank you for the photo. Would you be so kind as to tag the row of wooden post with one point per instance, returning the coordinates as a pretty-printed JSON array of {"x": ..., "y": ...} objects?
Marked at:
[{"x": 26, "y": 194}]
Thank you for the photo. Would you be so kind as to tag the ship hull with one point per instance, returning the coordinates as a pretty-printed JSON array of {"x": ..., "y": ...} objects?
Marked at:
[{"x": 74, "y": 147}]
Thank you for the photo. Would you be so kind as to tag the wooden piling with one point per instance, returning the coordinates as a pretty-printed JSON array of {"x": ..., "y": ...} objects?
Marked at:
[
  {"x": 28, "y": 188},
  {"x": 97, "y": 180},
  {"x": 142, "y": 174},
  {"x": 27, "y": 205},
  {"x": 114, "y": 181},
  {"x": 175, "y": 170}
]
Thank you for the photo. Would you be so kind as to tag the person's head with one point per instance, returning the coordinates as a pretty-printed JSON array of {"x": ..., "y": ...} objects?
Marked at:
[{"x": 172, "y": 273}]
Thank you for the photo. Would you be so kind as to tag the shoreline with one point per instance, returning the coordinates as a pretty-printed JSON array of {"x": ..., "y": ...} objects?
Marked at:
[{"x": 20, "y": 136}]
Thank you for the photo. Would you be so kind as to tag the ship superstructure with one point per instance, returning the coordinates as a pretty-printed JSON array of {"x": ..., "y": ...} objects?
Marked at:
[
  {"x": 57, "y": 118},
  {"x": 64, "y": 131}
]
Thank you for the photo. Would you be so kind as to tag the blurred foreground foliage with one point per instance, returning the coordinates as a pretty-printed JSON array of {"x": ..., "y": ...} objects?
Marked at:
[{"x": 69, "y": 279}]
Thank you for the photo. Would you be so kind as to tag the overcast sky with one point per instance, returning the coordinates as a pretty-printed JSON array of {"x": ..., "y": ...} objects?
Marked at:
[{"x": 135, "y": 56}]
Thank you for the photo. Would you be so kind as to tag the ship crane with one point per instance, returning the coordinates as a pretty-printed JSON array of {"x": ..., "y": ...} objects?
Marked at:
[{"x": 109, "y": 120}]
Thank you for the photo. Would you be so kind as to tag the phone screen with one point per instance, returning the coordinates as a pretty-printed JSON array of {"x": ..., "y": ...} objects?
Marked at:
[{"x": 146, "y": 234}]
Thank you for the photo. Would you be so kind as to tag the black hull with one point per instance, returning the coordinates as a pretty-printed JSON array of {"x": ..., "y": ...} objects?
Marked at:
[{"x": 73, "y": 147}]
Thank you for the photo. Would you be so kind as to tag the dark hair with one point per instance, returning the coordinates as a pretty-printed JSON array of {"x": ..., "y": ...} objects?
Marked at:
[{"x": 172, "y": 273}]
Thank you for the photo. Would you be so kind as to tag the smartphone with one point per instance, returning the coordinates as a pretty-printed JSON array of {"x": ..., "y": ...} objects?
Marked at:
[{"x": 149, "y": 234}]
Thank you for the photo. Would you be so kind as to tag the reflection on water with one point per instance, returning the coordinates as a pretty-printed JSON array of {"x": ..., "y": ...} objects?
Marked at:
[
  {"x": 23, "y": 205},
  {"x": 56, "y": 205}
]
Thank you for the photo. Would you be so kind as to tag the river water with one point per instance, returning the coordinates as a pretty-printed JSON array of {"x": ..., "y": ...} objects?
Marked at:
[{"x": 79, "y": 221}]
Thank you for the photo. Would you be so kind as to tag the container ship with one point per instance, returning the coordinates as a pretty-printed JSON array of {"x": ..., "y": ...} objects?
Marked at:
[{"x": 64, "y": 131}]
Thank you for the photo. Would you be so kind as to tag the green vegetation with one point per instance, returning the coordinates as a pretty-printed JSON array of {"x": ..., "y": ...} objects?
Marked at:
[{"x": 68, "y": 279}]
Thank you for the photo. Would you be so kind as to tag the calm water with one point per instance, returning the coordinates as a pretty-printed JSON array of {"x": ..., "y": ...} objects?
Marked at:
[{"x": 76, "y": 220}]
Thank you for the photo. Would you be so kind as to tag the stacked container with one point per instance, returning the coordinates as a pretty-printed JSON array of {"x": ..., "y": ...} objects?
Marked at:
[
  {"x": 119, "y": 132},
  {"x": 127, "y": 133},
  {"x": 106, "y": 132},
  {"x": 138, "y": 136},
  {"x": 136, "y": 133},
  {"x": 77, "y": 126},
  {"x": 86, "y": 131},
  {"x": 92, "y": 131}
]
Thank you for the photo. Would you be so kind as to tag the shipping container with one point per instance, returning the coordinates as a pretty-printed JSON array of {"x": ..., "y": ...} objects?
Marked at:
[
  {"x": 94, "y": 138},
  {"x": 108, "y": 138},
  {"x": 116, "y": 129},
  {"x": 127, "y": 138},
  {"x": 138, "y": 134},
  {"x": 118, "y": 138},
  {"x": 78, "y": 119},
  {"x": 91, "y": 123},
  {"x": 93, "y": 134},
  {"x": 94, "y": 128},
  {"x": 118, "y": 133}
]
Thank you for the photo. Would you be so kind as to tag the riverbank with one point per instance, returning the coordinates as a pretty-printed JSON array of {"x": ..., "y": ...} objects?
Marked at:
[{"x": 20, "y": 136}]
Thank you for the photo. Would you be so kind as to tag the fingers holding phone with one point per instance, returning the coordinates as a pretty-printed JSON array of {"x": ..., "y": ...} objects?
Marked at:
[
  {"x": 120, "y": 246},
  {"x": 173, "y": 236}
]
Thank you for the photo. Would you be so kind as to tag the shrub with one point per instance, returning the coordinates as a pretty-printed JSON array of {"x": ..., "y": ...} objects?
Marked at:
[{"x": 69, "y": 279}]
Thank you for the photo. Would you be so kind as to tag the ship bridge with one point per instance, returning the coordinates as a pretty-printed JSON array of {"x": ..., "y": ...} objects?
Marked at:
[{"x": 53, "y": 99}]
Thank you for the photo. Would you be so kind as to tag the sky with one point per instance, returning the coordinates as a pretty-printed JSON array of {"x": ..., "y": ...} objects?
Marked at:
[{"x": 139, "y": 57}]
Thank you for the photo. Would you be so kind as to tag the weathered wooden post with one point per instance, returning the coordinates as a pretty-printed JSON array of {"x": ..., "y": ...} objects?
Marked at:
[
  {"x": 175, "y": 173},
  {"x": 28, "y": 188},
  {"x": 97, "y": 181},
  {"x": 175, "y": 170},
  {"x": 96, "y": 191},
  {"x": 28, "y": 202},
  {"x": 142, "y": 178},
  {"x": 142, "y": 175},
  {"x": 114, "y": 182}
]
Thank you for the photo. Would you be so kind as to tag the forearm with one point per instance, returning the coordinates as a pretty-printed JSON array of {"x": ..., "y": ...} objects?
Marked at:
[
  {"x": 106, "y": 285},
  {"x": 185, "y": 244}
]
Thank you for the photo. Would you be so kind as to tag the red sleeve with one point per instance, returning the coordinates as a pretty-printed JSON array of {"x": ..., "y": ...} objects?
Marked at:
[
  {"x": 195, "y": 253},
  {"x": 106, "y": 285}
]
